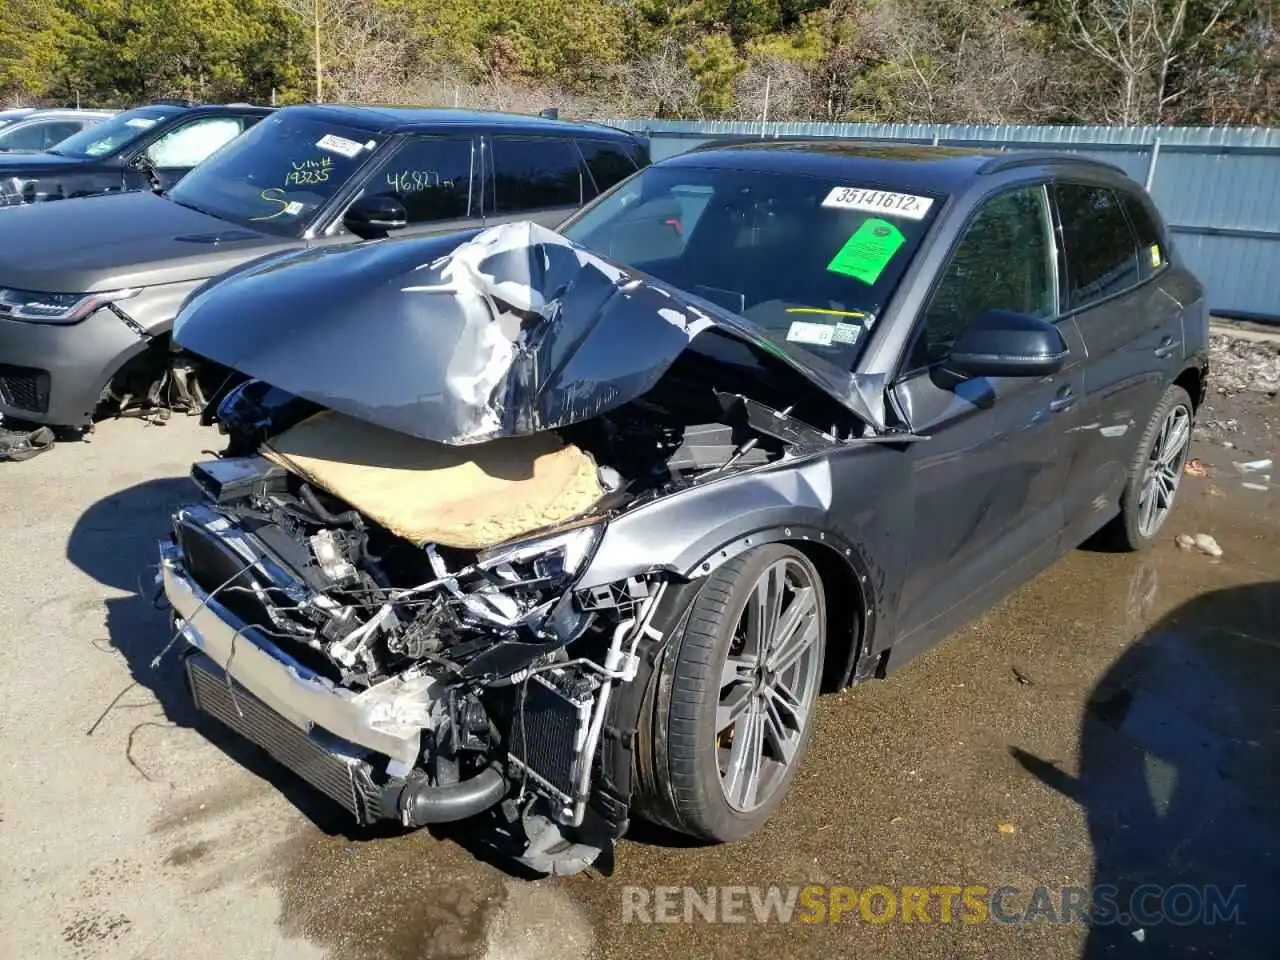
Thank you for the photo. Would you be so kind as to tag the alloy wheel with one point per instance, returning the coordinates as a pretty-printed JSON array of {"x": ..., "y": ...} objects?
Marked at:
[
  {"x": 1164, "y": 468},
  {"x": 769, "y": 684}
]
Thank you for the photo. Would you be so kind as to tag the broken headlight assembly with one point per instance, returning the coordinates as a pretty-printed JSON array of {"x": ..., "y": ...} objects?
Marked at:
[
  {"x": 552, "y": 562},
  {"x": 520, "y": 583}
]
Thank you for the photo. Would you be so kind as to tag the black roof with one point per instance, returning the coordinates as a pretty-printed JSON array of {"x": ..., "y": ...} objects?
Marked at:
[
  {"x": 228, "y": 107},
  {"x": 918, "y": 167},
  {"x": 381, "y": 119}
]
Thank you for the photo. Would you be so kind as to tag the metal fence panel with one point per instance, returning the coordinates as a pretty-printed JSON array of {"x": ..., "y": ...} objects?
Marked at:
[{"x": 1217, "y": 188}]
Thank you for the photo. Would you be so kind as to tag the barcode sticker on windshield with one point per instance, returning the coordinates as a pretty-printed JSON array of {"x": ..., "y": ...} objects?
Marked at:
[
  {"x": 142, "y": 123},
  {"x": 336, "y": 144},
  {"x": 879, "y": 201},
  {"x": 802, "y": 331}
]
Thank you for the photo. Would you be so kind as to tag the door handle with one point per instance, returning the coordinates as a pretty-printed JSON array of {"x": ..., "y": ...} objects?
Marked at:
[
  {"x": 1167, "y": 346},
  {"x": 1065, "y": 398}
]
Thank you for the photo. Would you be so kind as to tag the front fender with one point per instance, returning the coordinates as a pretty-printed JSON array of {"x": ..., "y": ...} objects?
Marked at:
[{"x": 691, "y": 532}]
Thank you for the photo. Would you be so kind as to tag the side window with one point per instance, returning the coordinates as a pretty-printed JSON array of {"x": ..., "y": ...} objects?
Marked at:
[
  {"x": 430, "y": 176},
  {"x": 1152, "y": 256},
  {"x": 55, "y": 133},
  {"x": 191, "y": 143},
  {"x": 534, "y": 174},
  {"x": 1004, "y": 261},
  {"x": 608, "y": 162},
  {"x": 36, "y": 136},
  {"x": 1099, "y": 246}
]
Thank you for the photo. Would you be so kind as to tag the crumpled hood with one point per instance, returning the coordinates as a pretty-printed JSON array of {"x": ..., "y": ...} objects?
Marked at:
[
  {"x": 121, "y": 240},
  {"x": 464, "y": 338}
]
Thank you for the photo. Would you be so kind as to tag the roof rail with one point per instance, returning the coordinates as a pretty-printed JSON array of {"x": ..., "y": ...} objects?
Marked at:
[
  {"x": 1028, "y": 158},
  {"x": 174, "y": 102}
]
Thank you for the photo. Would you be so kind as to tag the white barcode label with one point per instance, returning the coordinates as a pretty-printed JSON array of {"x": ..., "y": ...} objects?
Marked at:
[{"x": 884, "y": 202}]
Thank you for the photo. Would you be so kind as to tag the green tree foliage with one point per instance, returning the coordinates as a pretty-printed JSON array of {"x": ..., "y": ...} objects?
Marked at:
[{"x": 1136, "y": 61}]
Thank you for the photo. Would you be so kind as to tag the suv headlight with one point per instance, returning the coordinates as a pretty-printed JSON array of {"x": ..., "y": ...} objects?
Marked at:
[
  {"x": 519, "y": 584},
  {"x": 36, "y": 307},
  {"x": 11, "y": 189},
  {"x": 546, "y": 562}
]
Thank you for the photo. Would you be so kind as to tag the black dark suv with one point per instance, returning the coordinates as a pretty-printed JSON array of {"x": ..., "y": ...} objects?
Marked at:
[{"x": 149, "y": 147}]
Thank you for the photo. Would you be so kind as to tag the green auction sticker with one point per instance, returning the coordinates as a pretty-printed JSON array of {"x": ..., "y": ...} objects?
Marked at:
[{"x": 866, "y": 253}]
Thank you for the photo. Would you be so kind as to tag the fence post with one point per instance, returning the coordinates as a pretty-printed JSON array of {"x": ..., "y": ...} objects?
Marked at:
[{"x": 1151, "y": 163}]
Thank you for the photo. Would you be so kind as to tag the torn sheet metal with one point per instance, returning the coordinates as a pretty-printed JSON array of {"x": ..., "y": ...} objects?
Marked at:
[{"x": 464, "y": 338}]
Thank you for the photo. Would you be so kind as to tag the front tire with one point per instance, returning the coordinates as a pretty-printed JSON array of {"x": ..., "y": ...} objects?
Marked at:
[
  {"x": 732, "y": 710},
  {"x": 1155, "y": 475}
]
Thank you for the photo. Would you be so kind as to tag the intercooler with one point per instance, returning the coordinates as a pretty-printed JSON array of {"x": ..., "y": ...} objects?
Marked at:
[{"x": 332, "y": 766}]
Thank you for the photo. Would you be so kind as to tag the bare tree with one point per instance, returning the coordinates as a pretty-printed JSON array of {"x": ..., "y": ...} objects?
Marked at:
[
  {"x": 362, "y": 52},
  {"x": 1141, "y": 41},
  {"x": 662, "y": 81}
]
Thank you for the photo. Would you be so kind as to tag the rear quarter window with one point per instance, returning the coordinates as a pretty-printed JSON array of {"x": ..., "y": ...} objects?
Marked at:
[
  {"x": 1101, "y": 251},
  {"x": 1153, "y": 255},
  {"x": 608, "y": 162}
]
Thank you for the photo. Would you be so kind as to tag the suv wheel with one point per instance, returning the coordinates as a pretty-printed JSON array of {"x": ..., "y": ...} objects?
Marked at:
[
  {"x": 732, "y": 710},
  {"x": 1156, "y": 472}
]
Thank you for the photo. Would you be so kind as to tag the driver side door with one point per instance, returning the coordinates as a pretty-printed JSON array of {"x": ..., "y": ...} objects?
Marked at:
[{"x": 987, "y": 486}]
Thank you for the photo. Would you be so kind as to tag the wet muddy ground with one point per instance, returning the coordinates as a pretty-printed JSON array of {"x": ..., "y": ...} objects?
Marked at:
[{"x": 1114, "y": 722}]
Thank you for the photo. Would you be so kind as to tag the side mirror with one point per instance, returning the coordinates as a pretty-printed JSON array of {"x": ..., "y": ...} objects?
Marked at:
[
  {"x": 1000, "y": 343},
  {"x": 372, "y": 217}
]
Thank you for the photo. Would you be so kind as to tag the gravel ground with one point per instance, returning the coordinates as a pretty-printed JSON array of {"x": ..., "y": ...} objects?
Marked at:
[{"x": 1112, "y": 722}]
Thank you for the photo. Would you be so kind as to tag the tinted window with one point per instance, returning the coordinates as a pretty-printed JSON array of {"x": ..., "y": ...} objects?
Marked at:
[
  {"x": 763, "y": 246},
  {"x": 534, "y": 174},
  {"x": 55, "y": 133},
  {"x": 111, "y": 135},
  {"x": 276, "y": 175},
  {"x": 192, "y": 143},
  {"x": 608, "y": 162},
  {"x": 36, "y": 136},
  {"x": 1152, "y": 256},
  {"x": 28, "y": 137},
  {"x": 1003, "y": 262},
  {"x": 432, "y": 178},
  {"x": 1101, "y": 256}
]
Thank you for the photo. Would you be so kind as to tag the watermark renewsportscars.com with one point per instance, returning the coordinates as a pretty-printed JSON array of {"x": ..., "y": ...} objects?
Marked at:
[{"x": 1147, "y": 905}]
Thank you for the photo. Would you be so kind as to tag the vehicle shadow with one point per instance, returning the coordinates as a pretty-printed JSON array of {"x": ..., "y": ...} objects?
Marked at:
[
  {"x": 115, "y": 542},
  {"x": 1179, "y": 778}
]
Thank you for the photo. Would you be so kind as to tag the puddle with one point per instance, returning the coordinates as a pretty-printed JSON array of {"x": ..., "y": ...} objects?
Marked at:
[{"x": 394, "y": 898}]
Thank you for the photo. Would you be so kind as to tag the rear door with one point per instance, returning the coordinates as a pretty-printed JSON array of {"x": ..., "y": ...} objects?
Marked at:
[
  {"x": 542, "y": 179},
  {"x": 987, "y": 484},
  {"x": 1131, "y": 332}
]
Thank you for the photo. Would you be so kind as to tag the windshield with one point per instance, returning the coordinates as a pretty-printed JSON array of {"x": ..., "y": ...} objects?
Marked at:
[
  {"x": 111, "y": 135},
  {"x": 799, "y": 256},
  {"x": 276, "y": 176}
]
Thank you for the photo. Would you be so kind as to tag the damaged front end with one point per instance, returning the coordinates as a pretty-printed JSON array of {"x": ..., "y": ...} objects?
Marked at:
[{"x": 397, "y": 615}]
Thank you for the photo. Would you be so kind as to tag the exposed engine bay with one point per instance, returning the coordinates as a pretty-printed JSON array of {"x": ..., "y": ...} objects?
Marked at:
[{"x": 447, "y": 663}]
